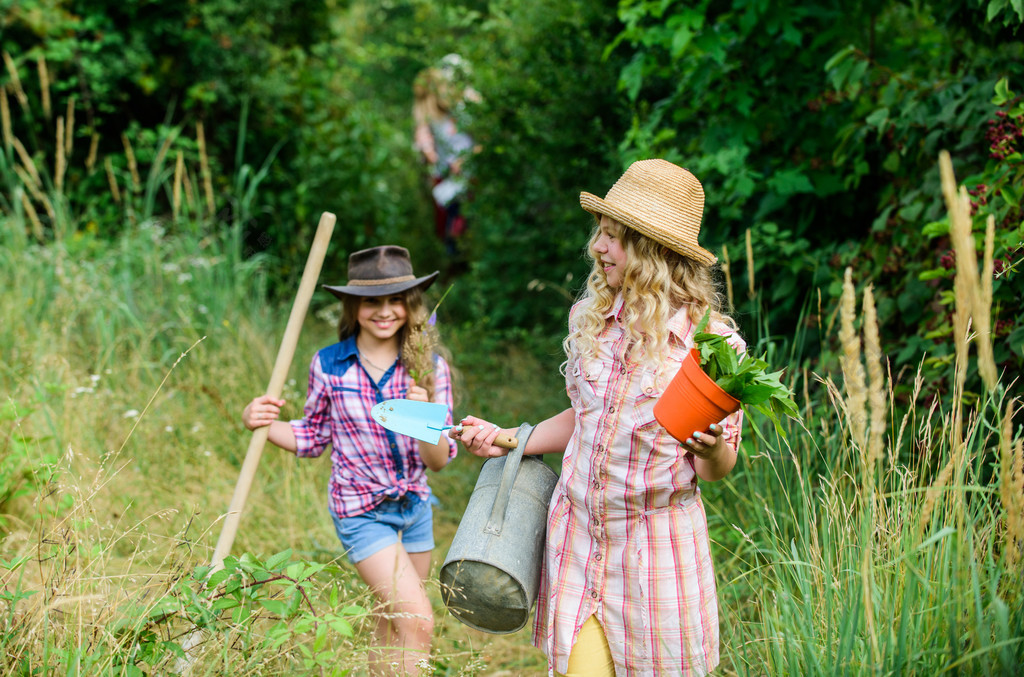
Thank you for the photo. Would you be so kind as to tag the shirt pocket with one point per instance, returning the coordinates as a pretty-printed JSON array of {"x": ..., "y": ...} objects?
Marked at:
[
  {"x": 586, "y": 383},
  {"x": 647, "y": 395}
]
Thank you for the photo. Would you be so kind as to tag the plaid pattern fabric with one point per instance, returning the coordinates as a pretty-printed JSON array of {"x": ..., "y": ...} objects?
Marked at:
[
  {"x": 627, "y": 536},
  {"x": 368, "y": 463}
]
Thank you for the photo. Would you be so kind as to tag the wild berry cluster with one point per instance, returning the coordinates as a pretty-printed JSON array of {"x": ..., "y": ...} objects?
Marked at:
[{"x": 1004, "y": 135}]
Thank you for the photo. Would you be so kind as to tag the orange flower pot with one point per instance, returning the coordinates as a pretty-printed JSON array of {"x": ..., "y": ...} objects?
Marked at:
[{"x": 692, "y": 401}]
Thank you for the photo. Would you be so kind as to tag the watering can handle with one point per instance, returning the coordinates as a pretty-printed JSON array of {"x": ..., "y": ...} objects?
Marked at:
[{"x": 508, "y": 478}]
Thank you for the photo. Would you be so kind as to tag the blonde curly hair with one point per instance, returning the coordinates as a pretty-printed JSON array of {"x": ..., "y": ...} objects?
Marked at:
[{"x": 656, "y": 283}]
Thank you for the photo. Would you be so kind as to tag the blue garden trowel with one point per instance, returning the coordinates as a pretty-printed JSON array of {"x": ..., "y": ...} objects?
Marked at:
[{"x": 422, "y": 421}]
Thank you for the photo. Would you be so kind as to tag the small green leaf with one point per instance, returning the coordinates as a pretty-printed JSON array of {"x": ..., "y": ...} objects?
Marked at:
[{"x": 275, "y": 561}]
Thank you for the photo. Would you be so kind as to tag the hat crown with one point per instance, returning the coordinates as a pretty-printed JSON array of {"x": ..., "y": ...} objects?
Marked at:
[
  {"x": 660, "y": 200},
  {"x": 380, "y": 271},
  {"x": 661, "y": 190},
  {"x": 389, "y": 262}
]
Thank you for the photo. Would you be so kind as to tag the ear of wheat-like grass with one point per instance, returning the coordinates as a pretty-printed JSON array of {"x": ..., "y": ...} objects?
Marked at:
[
  {"x": 44, "y": 86},
  {"x": 133, "y": 165},
  {"x": 728, "y": 275},
  {"x": 853, "y": 371},
  {"x": 5, "y": 119},
  {"x": 204, "y": 166},
  {"x": 876, "y": 384},
  {"x": 60, "y": 159},
  {"x": 115, "y": 190},
  {"x": 15, "y": 84},
  {"x": 983, "y": 313},
  {"x": 94, "y": 146},
  {"x": 69, "y": 133},
  {"x": 973, "y": 294},
  {"x": 179, "y": 172}
]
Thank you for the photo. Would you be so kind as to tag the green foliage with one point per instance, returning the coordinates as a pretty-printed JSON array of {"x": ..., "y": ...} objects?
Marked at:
[
  {"x": 996, "y": 194},
  {"x": 254, "y": 605},
  {"x": 548, "y": 125},
  {"x": 744, "y": 377},
  {"x": 827, "y": 158},
  {"x": 29, "y": 467}
]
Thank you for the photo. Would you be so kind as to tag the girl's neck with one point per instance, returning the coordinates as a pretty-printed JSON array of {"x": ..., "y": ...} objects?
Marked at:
[{"x": 371, "y": 346}]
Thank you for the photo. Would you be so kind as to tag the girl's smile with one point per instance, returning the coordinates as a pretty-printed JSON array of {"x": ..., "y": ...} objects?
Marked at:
[
  {"x": 382, "y": 316},
  {"x": 609, "y": 252}
]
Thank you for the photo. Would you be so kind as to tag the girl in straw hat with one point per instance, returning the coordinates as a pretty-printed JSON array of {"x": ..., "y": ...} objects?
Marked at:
[
  {"x": 627, "y": 584},
  {"x": 378, "y": 495}
]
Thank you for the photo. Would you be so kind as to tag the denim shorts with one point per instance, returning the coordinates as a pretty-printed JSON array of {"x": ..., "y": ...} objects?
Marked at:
[{"x": 408, "y": 520}]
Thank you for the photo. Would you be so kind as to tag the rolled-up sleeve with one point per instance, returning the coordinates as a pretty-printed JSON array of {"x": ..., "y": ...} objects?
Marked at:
[{"x": 313, "y": 431}]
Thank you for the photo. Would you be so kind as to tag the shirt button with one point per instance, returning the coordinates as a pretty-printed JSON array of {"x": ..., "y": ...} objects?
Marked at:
[
  {"x": 392, "y": 446},
  {"x": 593, "y": 593},
  {"x": 611, "y": 410},
  {"x": 598, "y": 557}
]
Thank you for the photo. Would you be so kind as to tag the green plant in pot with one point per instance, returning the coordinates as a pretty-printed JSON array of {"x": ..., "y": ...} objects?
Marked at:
[{"x": 714, "y": 381}]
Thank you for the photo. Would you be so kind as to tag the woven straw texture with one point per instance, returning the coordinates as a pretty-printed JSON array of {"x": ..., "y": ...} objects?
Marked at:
[{"x": 660, "y": 200}]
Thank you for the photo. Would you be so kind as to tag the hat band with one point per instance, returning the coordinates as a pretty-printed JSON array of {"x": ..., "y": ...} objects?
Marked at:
[{"x": 387, "y": 280}]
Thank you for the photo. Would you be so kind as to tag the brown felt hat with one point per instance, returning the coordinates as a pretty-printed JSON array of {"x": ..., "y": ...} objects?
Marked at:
[
  {"x": 380, "y": 271},
  {"x": 659, "y": 200}
]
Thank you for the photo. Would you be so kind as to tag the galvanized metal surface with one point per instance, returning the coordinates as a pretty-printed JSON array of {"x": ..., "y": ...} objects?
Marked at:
[{"x": 491, "y": 575}]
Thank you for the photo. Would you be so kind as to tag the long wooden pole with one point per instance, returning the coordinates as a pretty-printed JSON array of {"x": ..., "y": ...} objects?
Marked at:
[{"x": 276, "y": 386}]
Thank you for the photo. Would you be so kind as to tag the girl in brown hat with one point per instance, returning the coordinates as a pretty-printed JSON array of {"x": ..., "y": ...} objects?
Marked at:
[
  {"x": 378, "y": 495},
  {"x": 627, "y": 585}
]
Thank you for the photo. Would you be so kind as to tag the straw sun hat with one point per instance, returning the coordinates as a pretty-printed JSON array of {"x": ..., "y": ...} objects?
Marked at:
[
  {"x": 660, "y": 200},
  {"x": 380, "y": 271}
]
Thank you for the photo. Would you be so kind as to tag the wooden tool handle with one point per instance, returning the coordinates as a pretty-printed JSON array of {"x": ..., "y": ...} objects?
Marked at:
[
  {"x": 506, "y": 441},
  {"x": 277, "y": 377}
]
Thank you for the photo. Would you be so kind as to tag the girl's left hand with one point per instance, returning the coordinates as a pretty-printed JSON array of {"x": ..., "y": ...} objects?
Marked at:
[
  {"x": 704, "y": 444},
  {"x": 417, "y": 393}
]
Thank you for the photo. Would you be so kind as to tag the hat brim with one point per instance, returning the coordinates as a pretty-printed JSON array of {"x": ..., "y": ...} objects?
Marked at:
[
  {"x": 363, "y": 290},
  {"x": 599, "y": 207}
]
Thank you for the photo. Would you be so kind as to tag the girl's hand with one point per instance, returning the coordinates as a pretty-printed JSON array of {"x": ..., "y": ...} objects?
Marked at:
[
  {"x": 705, "y": 444},
  {"x": 262, "y": 411},
  {"x": 415, "y": 392},
  {"x": 477, "y": 436}
]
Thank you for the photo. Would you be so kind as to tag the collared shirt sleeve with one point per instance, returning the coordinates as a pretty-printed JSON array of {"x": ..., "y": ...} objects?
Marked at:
[{"x": 313, "y": 430}]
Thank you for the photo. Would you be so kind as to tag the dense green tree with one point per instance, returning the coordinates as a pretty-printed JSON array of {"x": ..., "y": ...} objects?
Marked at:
[{"x": 818, "y": 129}]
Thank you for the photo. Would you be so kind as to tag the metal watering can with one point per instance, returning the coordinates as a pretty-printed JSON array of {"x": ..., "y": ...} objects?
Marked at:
[{"x": 491, "y": 575}]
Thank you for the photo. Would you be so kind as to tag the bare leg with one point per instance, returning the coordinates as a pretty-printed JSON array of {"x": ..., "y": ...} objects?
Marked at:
[{"x": 405, "y": 622}]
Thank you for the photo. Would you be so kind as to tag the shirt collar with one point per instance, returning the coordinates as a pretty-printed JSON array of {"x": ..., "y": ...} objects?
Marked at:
[
  {"x": 679, "y": 323},
  {"x": 347, "y": 349}
]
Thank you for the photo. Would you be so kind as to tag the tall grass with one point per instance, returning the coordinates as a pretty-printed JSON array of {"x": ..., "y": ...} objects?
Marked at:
[{"x": 880, "y": 542}]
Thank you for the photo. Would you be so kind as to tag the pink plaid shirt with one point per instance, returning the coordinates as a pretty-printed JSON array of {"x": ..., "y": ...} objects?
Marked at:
[
  {"x": 627, "y": 536},
  {"x": 368, "y": 463}
]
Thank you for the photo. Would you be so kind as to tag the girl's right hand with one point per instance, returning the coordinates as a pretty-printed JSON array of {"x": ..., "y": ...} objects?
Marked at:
[
  {"x": 477, "y": 436},
  {"x": 262, "y": 411}
]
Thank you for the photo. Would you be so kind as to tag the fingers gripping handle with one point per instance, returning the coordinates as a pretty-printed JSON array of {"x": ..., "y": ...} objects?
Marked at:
[
  {"x": 504, "y": 441},
  {"x": 508, "y": 478}
]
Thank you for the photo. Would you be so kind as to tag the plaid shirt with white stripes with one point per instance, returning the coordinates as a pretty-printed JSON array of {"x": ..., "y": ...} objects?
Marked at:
[{"x": 368, "y": 463}]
